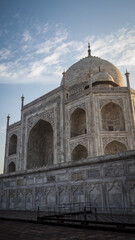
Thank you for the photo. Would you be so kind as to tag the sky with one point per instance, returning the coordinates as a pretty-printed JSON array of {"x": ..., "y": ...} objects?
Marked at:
[{"x": 39, "y": 39}]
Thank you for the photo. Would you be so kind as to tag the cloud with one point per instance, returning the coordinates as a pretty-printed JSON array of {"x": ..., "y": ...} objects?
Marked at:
[
  {"x": 46, "y": 28},
  {"x": 4, "y": 53},
  {"x": 26, "y": 36},
  {"x": 3, "y": 129},
  {"x": 42, "y": 55},
  {"x": 119, "y": 47},
  {"x": 16, "y": 15}
]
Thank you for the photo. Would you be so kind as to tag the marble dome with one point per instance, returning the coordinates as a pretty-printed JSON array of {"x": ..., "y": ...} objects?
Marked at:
[{"x": 79, "y": 72}]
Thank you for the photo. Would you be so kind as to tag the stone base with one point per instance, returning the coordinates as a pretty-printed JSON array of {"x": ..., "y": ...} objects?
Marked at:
[{"x": 105, "y": 181}]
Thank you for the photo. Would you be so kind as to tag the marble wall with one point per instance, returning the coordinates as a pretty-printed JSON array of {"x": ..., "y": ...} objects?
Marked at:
[{"x": 106, "y": 181}]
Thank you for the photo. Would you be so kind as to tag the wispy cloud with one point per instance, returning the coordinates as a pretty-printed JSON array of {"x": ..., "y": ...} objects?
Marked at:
[
  {"x": 3, "y": 129},
  {"x": 42, "y": 55},
  {"x": 16, "y": 15},
  {"x": 46, "y": 28},
  {"x": 4, "y": 53},
  {"x": 118, "y": 47},
  {"x": 26, "y": 36}
]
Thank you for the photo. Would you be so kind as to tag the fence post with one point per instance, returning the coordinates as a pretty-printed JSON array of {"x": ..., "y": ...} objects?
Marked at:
[
  {"x": 128, "y": 214},
  {"x": 38, "y": 215},
  {"x": 85, "y": 214},
  {"x": 95, "y": 211},
  {"x": 38, "y": 212}
]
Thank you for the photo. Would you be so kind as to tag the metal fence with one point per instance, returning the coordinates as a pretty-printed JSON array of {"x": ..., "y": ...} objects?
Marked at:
[{"x": 86, "y": 212}]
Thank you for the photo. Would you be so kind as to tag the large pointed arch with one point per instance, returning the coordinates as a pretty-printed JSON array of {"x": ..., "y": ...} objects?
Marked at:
[
  {"x": 79, "y": 152},
  {"x": 12, "y": 145},
  {"x": 78, "y": 122},
  {"x": 40, "y": 145},
  {"x": 112, "y": 117},
  {"x": 114, "y": 147}
]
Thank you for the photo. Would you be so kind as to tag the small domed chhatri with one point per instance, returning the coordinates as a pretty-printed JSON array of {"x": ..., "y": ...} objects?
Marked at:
[
  {"x": 78, "y": 72},
  {"x": 103, "y": 78},
  {"x": 60, "y": 152}
]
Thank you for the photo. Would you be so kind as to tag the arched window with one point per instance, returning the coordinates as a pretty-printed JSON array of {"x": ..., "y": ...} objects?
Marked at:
[
  {"x": 114, "y": 147},
  {"x": 79, "y": 152},
  {"x": 78, "y": 122},
  {"x": 11, "y": 167},
  {"x": 112, "y": 118},
  {"x": 40, "y": 145},
  {"x": 13, "y": 144}
]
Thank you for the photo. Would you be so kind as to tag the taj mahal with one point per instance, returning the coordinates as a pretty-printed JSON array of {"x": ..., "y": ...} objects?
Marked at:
[{"x": 74, "y": 144}]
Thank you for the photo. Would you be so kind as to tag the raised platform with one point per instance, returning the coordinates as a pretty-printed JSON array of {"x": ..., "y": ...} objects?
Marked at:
[{"x": 105, "y": 181}]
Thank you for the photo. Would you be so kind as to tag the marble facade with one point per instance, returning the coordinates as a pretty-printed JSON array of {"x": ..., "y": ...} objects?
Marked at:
[{"x": 74, "y": 144}]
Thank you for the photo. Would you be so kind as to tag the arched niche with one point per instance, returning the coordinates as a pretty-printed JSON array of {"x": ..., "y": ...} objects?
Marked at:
[
  {"x": 64, "y": 197},
  {"x": 12, "y": 201},
  {"x": 112, "y": 117},
  {"x": 78, "y": 122},
  {"x": 78, "y": 196},
  {"x": 29, "y": 201},
  {"x": 40, "y": 145},
  {"x": 12, "y": 145},
  {"x": 79, "y": 152},
  {"x": 20, "y": 200},
  {"x": 11, "y": 167},
  {"x": 51, "y": 197},
  {"x": 114, "y": 147},
  {"x": 39, "y": 200}
]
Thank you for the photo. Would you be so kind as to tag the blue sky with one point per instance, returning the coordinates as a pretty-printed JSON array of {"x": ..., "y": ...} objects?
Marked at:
[{"x": 41, "y": 38}]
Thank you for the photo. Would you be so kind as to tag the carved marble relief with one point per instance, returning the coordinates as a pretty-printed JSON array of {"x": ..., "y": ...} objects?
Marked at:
[
  {"x": 77, "y": 176},
  {"x": 3, "y": 200},
  {"x": 63, "y": 195},
  {"x": 39, "y": 198},
  {"x": 82, "y": 105},
  {"x": 50, "y": 196},
  {"x": 50, "y": 178},
  {"x": 20, "y": 199},
  {"x": 20, "y": 182},
  {"x": 47, "y": 116},
  {"x": 29, "y": 199},
  {"x": 131, "y": 194},
  {"x": 78, "y": 194},
  {"x": 107, "y": 140},
  {"x": 83, "y": 142},
  {"x": 95, "y": 194},
  {"x": 118, "y": 101},
  {"x": 112, "y": 171},
  {"x": 129, "y": 170},
  {"x": 93, "y": 173},
  {"x": 11, "y": 199},
  {"x": 114, "y": 193}
]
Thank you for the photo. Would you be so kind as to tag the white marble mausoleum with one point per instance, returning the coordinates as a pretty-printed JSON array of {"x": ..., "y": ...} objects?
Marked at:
[{"x": 74, "y": 144}]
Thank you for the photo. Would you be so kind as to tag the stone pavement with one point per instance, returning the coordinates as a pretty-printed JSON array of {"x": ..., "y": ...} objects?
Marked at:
[
  {"x": 18, "y": 214},
  {"x": 10, "y": 230}
]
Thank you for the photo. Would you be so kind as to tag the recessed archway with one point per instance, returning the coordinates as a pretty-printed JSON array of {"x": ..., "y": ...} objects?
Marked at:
[
  {"x": 40, "y": 145},
  {"x": 79, "y": 152},
  {"x": 12, "y": 145},
  {"x": 114, "y": 147},
  {"x": 112, "y": 117},
  {"x": 11, "y": 167},
  {"x": 78, "y": 122}
]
